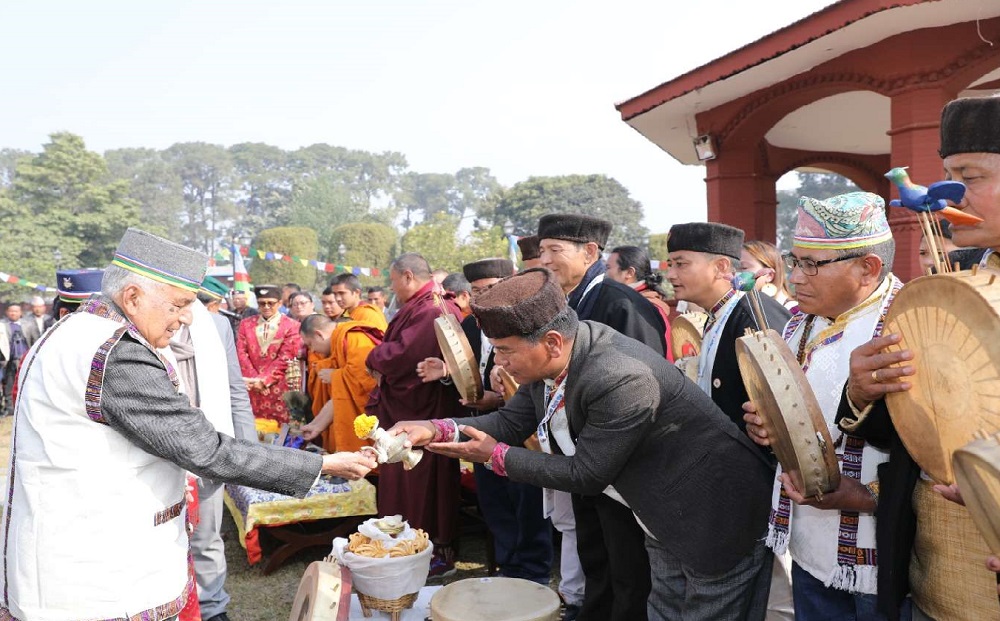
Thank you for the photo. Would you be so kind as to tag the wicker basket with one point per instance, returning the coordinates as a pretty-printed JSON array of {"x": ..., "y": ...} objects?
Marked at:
[{"x": 393, "y": 606}]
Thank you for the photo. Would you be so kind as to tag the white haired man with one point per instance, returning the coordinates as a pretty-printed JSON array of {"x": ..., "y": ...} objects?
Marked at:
[{"x": 94, "y": 524}]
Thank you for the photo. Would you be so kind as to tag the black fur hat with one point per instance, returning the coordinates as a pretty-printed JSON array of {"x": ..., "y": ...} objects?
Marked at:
[
  {"x": 575, "y": 228},
  {"x": 970, "y": 125},
  {"x": 519, "y": 305},
  {"x": 488, "y": 268},
  {"x": 709, "y": 237},
  {"x": 529, "y": 247}
]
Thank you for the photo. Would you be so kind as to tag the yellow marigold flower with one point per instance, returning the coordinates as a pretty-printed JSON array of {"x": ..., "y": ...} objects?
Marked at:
[
  {"x": 266, "y": 425},
  {"x": 363, "y": 425}
]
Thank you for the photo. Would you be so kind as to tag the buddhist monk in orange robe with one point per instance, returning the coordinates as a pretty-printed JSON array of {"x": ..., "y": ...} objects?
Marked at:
[
  {"x": 342, "y": 383},
  {"x": 346, "y": 289}
]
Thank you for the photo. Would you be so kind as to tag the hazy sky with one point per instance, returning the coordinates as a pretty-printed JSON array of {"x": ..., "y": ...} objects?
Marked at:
[{"x": 523, "y": 88}]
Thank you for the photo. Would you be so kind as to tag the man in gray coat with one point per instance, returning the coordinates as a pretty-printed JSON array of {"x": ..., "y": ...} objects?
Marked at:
[
  {"x": 94, "y": 524},
  {"x": 614, "y": 416}
]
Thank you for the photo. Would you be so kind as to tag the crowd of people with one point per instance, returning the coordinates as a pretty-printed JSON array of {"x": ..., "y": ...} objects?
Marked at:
[{"x": 660, "y": 486}]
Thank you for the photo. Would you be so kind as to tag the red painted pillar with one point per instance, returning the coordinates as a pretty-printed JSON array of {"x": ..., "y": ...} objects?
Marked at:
[
  {"x": 741, "y": 194},
  {"x": 915, "y": 134}
]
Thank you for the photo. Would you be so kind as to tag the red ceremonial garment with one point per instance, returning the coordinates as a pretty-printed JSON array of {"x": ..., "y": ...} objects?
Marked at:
[
  {"x": 428, "y": 495},
  {"x": 191, "y": 610},
  {"x": 269, "y": 365}
]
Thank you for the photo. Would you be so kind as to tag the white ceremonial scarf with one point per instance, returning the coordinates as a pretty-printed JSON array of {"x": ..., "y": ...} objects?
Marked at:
[
  {"x": 211, "y": 369},
  {"x": 825, "y": 543},
  {"x": 710, "y": 343}
]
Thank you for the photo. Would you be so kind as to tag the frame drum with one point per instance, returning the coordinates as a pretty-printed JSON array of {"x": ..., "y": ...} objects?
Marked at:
[
  {"x": 977, "y": 471},
  {"x": 509, "y": 390},
  {"x": 789, "y": 412},
  {"x": 686, "y": 332},
  {"x": 495, "y": 599},
  {"x": 458, "y": 356},
  {"x": 509, "y": 385},
  {"x": 950, "y": 323},
  {"x": 324, "y": 594}
]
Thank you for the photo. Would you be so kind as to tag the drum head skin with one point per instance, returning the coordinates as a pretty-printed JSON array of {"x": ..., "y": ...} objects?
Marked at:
[
  {"x": 686, "y": 333},
  {"x": 789, "y": 411},
  {"x": 951, "y": 325},
  {"x": 458, "y": 355},
  {"x": 495, "y": 599},
  {"x": 977, "y": 471}
]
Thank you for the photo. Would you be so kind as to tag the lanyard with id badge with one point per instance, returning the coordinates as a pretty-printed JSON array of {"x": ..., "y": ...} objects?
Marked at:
[{"x": 553, "y": 401}]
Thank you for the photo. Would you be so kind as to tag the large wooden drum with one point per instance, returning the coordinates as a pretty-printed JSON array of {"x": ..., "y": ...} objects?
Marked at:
[
  {"x": 324, "y": 594},
  {"x": 977, "y": 471},
  {"x": 951, "y": 324},
  {"x": 789, "y": 412},
  {"x": 495, "y": 599},
  {"x": 458, "y": 355}
]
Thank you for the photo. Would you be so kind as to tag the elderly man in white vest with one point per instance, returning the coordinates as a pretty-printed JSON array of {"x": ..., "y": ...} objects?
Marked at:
[{"x": 94, "y": 524}]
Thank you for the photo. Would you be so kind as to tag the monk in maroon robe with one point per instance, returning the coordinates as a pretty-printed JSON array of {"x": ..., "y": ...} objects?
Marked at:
[{"x": 428, "y": 495}]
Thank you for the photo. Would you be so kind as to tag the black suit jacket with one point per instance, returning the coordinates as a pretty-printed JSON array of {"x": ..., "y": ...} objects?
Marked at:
[
  {"x": 728, "y": 391},
  {"x": 698, "y": 484},
  {"x": 625, "y": 310}
]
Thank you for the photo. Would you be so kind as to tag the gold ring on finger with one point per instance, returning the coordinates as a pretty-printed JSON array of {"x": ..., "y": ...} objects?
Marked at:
[{"x": 875, "y": 376}]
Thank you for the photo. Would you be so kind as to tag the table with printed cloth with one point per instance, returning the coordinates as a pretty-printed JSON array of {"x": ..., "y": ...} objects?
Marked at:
[{"x": 330, "y": 509}]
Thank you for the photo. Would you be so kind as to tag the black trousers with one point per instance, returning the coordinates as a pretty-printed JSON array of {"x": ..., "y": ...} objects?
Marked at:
[
  {"x": 612, "y": 548},
  {"x": 9, "y": 370}
]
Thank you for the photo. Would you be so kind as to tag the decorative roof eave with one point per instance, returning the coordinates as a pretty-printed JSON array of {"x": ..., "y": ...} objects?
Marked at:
[{"x": 778, "y": 43}]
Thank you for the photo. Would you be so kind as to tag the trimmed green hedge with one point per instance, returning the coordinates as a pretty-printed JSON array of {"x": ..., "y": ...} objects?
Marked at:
[
  {"x": 368, "y": 244},
  {"x": 295, "y": 241}
]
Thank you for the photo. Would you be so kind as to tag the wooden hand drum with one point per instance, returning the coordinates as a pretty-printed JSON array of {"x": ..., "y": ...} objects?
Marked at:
[
  {"x": 509, "y": 390},
  {"x": 509, "y": 385},
  {"x": 324, "y": 594},
  {"x": 458, "y": 355},
  {"x": 977, "y": 471},
  {"x": 495, "y": 599},
  {"x": 790, "y": 413},
  {"x": 951, "y": 324},
  {"x": 685, "y": 334}
]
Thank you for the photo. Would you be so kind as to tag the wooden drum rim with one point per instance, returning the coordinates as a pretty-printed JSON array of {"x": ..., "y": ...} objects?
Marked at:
[
  {"x": 458, "y": 355},
  {"x": 789, "y": 410}
]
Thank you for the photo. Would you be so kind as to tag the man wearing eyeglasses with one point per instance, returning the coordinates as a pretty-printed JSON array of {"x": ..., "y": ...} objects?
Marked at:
[
  {"x": 930, "y": 549},
  {"x": 264, "y": 344},
  {"x": 840, "y": 263}
]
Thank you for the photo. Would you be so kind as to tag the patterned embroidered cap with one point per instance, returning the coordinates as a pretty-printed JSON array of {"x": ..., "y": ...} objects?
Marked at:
[
  {"x": 214, "y": 288},
  {"x": 75, "y": 286},
  {"x": 161, "y": 260},
  {"x": 853, "y": 220},
  {"x": 519, "y": 305},
  {"x": 488, "y": 268},
  {"x": 271, "y": 292}
]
